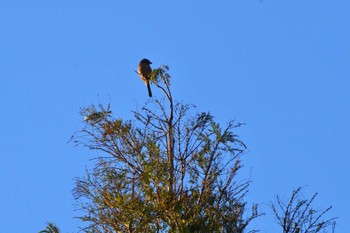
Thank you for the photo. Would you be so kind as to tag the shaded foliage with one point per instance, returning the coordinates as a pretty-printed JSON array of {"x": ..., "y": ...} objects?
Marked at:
[
  {"x": 50, "y": 228},
  {"x": 299, "y": 216}
]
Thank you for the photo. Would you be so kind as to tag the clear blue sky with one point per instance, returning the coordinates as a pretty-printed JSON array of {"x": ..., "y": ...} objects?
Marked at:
[{"x": 282, "y": 67}]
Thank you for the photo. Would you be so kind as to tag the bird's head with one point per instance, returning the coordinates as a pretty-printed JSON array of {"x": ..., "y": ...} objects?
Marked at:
[{"x": 145, "y": 61}]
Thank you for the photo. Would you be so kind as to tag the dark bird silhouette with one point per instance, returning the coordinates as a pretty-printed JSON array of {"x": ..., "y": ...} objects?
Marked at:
[{"x": 144, "y": 71}]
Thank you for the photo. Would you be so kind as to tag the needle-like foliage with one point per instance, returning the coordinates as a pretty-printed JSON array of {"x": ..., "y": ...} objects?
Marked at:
[
  {"x": 50, "y": 228},
  {"x": 166, "y": 170}
]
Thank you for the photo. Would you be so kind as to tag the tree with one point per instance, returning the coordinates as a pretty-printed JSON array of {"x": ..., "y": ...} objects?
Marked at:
[
  {"x": 167, "y": 170},
  {"x": 299, "y": 216}
]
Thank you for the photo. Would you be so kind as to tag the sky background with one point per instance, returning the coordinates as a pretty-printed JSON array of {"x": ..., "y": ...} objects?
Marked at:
[{"x": 282, "y": 67}]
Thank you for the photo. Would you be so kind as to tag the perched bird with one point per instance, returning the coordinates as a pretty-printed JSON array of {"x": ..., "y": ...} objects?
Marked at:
[{"x": 144, "y": 71}]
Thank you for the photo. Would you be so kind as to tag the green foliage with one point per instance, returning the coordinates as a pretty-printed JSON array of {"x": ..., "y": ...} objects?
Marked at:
[
  {"x": 164, "y": 171},
  {"x": 169, "y": 170},
  {"x": 50, "y": 228}
]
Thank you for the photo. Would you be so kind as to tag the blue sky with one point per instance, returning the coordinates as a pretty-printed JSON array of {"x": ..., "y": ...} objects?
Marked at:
[{"x": 282, "y": 67}]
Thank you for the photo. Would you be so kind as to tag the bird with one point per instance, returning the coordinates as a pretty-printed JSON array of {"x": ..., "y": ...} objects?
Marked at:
[{"x": 144, "y": 71}]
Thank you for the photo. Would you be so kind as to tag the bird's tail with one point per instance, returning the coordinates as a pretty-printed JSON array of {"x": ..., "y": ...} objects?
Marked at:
[{"x": 149, "y": 89}]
